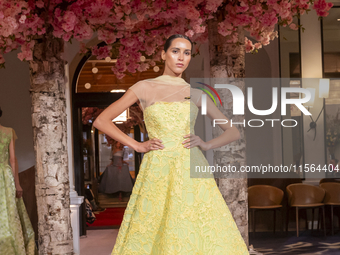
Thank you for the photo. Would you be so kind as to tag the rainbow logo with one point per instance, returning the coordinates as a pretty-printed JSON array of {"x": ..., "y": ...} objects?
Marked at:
[{"x": 208, "y": 92}]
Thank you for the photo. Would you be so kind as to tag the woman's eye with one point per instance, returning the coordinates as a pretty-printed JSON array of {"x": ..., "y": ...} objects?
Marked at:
[
  {"x": 188, "y": 53},
  {"x": 174, "y": 51}
]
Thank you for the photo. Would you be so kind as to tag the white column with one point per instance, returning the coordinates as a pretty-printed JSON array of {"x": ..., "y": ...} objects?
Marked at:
[
  {"x": 76, "y": 200},
  {"x": 311, "y": 67}
]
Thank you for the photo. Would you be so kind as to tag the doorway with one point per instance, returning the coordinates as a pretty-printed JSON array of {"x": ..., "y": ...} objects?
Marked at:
[{"x": 95, "y": 87}]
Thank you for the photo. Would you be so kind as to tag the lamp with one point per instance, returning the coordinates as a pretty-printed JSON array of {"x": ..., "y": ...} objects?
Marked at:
[{"x": 323, "y": 93}]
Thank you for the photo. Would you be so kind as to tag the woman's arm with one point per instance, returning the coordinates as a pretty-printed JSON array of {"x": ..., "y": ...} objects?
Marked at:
[
  {"x": 12, "y": 158},
  {"x": 229, "y": 135},
  {"x": 14, "y": 164},
  {"x": 104, "y": 123}
]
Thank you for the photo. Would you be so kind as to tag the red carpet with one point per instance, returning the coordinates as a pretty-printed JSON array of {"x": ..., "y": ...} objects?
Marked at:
[{"x": 110, "y": 217}]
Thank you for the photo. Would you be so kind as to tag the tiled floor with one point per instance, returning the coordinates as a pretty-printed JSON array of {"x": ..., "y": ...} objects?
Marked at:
[
  {"x": 288, "y": 244},
  {"x": 98, "y": 242},
  {"x": 101, "y": 242}
]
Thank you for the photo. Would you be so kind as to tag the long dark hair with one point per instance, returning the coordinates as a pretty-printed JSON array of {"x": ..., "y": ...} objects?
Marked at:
[{"x": 173, "y": 37}]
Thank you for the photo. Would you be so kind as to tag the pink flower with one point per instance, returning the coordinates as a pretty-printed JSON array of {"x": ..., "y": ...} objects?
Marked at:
[
  {"x": 249, "y": 46},
  {"x": 70, "y": 20},
  {"x": 258, "y": 45},
  {"x": 199, "y": 29},
  {"x": 293, "y": 26},
  {"x": 101, "y": 52},
  {"x": 83, "y": 48},
  {"x": 40, "y": 4},
  {"x": 224, "y": 28},
  {"x": 190, "y": 33},
  {"x": 22, "y": 19},
  {"x": 26, "y": 51}
]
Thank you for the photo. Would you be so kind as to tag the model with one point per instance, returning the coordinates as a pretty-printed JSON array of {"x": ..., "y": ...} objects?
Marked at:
[
  {"x": 16, "y": 231},
  {"x": 116, "y": 177},
  {"x": 169, "y": 212}
]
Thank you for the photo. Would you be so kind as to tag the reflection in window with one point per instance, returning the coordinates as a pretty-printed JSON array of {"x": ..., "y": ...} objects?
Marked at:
[
  {"x": 331, "y": 69},
  {"x": 290, "y": 68}
]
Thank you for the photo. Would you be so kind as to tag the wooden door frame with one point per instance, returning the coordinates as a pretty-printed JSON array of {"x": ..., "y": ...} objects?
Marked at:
[{"x": 80, "y": 100}]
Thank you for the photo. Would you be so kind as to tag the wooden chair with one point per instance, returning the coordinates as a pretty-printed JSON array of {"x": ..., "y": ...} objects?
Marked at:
[
  {"x": 329, "y": 180},
  {"x": 305, "y": 196},
  {"x": 332, "y": 198},
  {"x": 264, "y": 197}
]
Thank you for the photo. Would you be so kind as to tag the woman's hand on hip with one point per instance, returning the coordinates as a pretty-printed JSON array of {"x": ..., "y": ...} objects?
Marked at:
[
  {"x": 193, "y": 141},
  {"x": 150, "y": 145}
]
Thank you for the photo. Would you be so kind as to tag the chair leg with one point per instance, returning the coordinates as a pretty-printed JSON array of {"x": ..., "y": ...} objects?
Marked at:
[
  {"x": 332, "y": 219},
  {"x": 306, "y": 223},
  {"x": 297, "y": 221},
  {"x": 313, "y": 209},
  {"x": 274, "y": 219},
  {"x": 319, "y": 219},
  {"x": 287, "y": 219},
  {"x": 282, "y": 224},
  {"x": 254, "y": 222},
  {"x": 323, "y": 220}
]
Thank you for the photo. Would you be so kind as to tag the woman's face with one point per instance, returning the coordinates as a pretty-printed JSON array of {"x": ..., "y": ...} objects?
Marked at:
[{"x": 177, "y": 57}]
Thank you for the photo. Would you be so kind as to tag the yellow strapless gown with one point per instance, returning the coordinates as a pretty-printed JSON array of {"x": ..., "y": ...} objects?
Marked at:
[{"x": 170, "y": 213}]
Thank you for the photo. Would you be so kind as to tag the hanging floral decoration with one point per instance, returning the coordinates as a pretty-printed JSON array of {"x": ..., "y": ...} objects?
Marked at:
[
  {"x": 89, "y": 114},
  {"x": 333, "y": 131},
  {"x": 132, "y": 29}
]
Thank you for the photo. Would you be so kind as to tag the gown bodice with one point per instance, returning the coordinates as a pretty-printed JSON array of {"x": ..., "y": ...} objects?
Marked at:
[
  {"x": 118, "y": 153},
  {"x": 170, "y": 124},
  {"x": 5, "y": 139}
]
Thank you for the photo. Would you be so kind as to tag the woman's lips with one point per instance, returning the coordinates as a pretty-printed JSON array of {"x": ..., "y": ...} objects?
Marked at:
[{"x": 179, "y": 65}]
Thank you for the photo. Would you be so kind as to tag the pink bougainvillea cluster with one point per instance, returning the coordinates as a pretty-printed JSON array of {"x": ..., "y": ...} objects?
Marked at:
[
  {"x": 89, "y": 114},
  {"x": 142, "y": 26}
]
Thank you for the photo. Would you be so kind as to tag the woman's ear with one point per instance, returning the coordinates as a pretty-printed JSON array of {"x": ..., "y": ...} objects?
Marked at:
[{"x": 163, "y": 55}]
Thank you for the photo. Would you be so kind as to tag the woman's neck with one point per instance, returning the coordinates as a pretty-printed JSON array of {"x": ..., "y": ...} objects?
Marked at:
[{"x": 170, "y": 73}]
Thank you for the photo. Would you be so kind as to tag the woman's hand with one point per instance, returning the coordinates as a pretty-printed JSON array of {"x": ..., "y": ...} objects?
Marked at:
[
  {"x": 193, "y": 141},
  {"x": 150, "y": 145},
  {"x": 19, "y": 190}
]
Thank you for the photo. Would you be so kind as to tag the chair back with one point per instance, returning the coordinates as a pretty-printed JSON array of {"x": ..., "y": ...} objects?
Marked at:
[
  {"x": 264, "y": 195},
  {"x": 329, "y": 180},
  {"x": 332, "y": 192},
  {"x": 304, "y": 194}
]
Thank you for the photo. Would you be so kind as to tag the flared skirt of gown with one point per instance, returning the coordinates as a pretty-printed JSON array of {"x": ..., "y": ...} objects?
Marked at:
[
  {"x": 116, "y": 177},
  {"x": 171, "y": 213},
  {"x": 16, "y": 232}
]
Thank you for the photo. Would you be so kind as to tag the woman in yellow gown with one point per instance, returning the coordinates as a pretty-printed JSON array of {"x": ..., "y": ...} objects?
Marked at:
[
  {"x": 16, "y": 231},
  {"x": 169, "y": 212}
]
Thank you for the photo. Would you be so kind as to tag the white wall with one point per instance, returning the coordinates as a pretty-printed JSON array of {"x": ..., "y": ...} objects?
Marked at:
[{"x": 15, "y": 103}]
